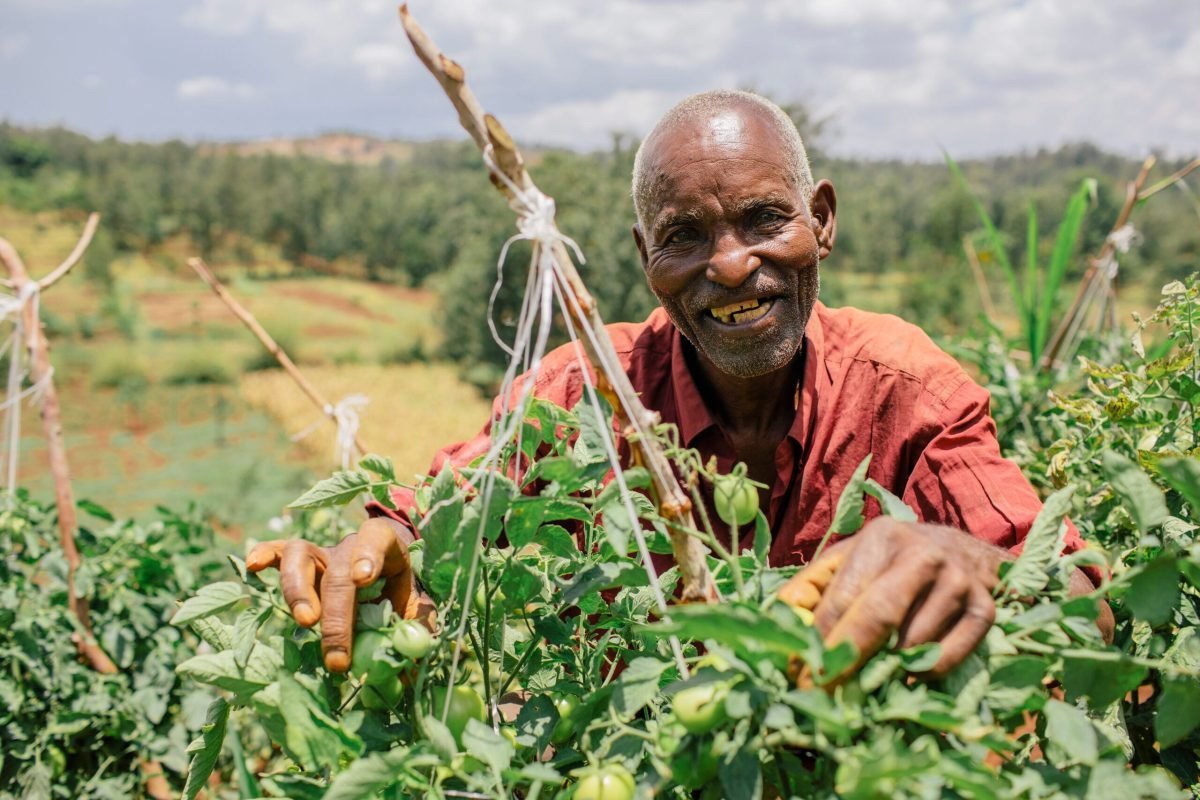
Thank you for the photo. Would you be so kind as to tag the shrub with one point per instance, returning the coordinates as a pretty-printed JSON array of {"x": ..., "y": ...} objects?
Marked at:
[{"x": 199, "y": 367}]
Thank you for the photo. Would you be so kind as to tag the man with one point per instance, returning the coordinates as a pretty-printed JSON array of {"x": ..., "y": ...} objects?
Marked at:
[{"x": 743, "y": 358}]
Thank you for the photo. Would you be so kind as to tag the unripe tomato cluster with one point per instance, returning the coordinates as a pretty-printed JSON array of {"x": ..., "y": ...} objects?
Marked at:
[{"x": 610, "y": 782}]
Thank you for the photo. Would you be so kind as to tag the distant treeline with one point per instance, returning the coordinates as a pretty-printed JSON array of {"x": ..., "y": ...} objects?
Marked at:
[{"x": 433, "y": 219}]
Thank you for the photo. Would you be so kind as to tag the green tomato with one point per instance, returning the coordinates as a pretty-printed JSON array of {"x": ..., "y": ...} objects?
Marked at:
[
  {"x": 566, "y": 705},
  {"x": 465, "y": 704},
  {"x": 736, "y": 500},
  {"x": 612, "y": 782},
  {"x": 480, "y": 601},
  {"x": 701, "y": 708},
  {"x": 382, "y": 696},
  {"x": 363, "y": 663},
  {"x": 412, "y": 639},
  {"x": 510, "y": 733}
]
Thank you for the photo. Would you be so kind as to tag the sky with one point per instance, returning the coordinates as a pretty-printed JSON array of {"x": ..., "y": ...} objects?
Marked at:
[{"x": 897, "y": 78}]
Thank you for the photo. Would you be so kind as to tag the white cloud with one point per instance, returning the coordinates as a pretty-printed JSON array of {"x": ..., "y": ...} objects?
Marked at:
[
  {"x": 13, "y": 45},
  {"x": 210, "y": 88},
  {"x": 589, "y": 122},
  {"x": 382, "y": 60}
]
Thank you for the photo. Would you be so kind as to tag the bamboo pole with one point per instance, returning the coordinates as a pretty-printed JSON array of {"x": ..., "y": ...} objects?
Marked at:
[
  {"x": 492, "y": 138},
  {"x": 268, "y": 342}
]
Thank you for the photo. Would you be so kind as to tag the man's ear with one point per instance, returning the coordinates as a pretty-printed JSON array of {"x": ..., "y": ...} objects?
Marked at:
[
  {"x": 640, "y": 240},
  {"x": 823, "y": 211}
]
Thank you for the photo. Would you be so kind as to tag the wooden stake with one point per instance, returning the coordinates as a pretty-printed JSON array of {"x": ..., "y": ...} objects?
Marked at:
[
  {"x": 491, "y": 138},
  {"x": 272, "y": 346},
  {"x": 56, "y": 450}
]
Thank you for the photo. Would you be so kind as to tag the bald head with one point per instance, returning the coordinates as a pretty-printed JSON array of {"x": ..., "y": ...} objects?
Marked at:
[{"x": 704, "y": 112}]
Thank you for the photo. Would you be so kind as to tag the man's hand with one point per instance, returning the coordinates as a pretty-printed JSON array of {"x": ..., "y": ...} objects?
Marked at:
[
  {"x": 319, "y": 583},
  {"x": 927, "y": 582}
]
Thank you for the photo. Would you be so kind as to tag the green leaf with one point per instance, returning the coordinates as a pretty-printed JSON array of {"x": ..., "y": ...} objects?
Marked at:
[
  {"x": 535, "y": 722},
  {"x": 1029, "y": 574},
  {"x": 603, "y": 576},
  {"x": 892, "y": 506},
  {"x": 1060, "y": 259},
  {"x": 380, "y": 465},
  {"x": 1154, "y": 591},
  {"x": 336, "y": 490},
  {"x": 439, "y": 735},
  {"x": 1183, "y": 475},
  {"x": 1102, "y": 682},
  {"x": 594, "y": 430},
  {"x": 207, "y": 749},
  {"x": 525, "y": 516},
  {"x": 741, "y": 776},
  {"x": 1030, "y": 284},
  {"x": 994, "y": 240},
  {"x": 209, "y": 600},
  {"x": 485, "y": 744},
  {"x": 1070, "y": 735},
  {"x": 1142, "y": 498},
  {"x": 744, "y": 629},
  {"x": 367, "y": 776},
  {"x": 638, "y": 685},
  {"x": 1178, "y": 710},
  {"x": 312, "y": 737},
  {"x": 848, "y": 517},
  {"x": 221, "y": 670}
]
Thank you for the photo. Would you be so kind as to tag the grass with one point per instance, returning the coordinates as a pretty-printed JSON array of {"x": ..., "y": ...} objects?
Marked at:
[
  {"x": 164, "y": 416},
  {"x": 415, "y": 409}
]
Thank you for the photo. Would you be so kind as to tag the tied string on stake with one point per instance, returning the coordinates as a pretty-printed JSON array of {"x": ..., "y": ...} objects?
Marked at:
[
  {"x": 546, "y": 283},
  {"x": 345, "y": 414},
  {"x": 16, "y": 347}
]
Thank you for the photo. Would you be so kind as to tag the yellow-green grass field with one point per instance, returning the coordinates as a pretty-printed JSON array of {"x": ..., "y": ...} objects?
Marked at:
[{"x": 163, "y": 398}]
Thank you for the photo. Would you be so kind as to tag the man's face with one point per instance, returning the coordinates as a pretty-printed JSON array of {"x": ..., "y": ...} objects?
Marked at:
[{"x": 730, "y": 249}]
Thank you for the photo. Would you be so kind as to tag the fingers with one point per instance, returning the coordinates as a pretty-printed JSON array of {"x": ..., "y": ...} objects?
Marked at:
[
  {"x": 298, "y": 566},
  {"x": 377, "y": 551},
  {"x": 940, "y": 609},
  {"x": 877, "y": 612},
  {"x": 266, "y": 554},
  {"x": 805, "y": 588},
  {"x": 965, "y": 636},
  {"x": 337, "y": 621}
]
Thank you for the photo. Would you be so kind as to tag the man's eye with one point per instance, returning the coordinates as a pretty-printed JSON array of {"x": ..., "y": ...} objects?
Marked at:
[
  {"x": 679, "y": 236},
  {"x": 767, "y": 217}
]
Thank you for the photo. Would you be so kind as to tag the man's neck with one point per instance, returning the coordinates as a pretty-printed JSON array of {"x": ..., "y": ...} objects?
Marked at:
[{"x": 759, "y": 407}]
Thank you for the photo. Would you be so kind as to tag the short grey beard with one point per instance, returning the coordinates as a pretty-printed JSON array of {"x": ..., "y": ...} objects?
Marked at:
[{"x": 757, "y": 362}]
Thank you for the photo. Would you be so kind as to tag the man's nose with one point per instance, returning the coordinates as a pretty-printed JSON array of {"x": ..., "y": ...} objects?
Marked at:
[{"x": 731, "y": 262}]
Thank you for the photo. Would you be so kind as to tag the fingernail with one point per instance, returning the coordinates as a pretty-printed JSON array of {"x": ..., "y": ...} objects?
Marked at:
[
  {"x": 336, "y": 659},
  {"x": 363, "y": 568},
  {"x": 302, "y": 611}
]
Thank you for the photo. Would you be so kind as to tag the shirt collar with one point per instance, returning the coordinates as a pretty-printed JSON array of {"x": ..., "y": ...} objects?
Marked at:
[{"x": 692, "y": 411}]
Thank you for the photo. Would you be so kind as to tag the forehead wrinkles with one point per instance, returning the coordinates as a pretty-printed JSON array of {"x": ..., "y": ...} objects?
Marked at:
[{"x": 708, "y": 187}]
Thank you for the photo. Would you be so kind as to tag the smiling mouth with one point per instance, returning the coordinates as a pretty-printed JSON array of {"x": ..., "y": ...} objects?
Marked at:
[{"x": 741, "y": 313}]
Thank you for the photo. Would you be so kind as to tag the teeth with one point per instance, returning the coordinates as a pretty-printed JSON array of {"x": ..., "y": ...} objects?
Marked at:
[{"x": 746, "y": 311}]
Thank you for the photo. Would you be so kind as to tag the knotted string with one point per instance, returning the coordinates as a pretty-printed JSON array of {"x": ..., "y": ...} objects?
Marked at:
[
  {"x": 345, "y": 414},
  {"x": 16, "y": 347}
]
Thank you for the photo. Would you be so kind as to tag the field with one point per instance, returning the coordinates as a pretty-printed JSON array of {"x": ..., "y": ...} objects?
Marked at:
[{"x": 164, "y": 404}]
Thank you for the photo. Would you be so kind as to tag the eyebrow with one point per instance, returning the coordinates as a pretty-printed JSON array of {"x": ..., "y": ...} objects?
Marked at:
[
  {"x": 762, "y": 201},
  {"x": 672, "y": 218}
]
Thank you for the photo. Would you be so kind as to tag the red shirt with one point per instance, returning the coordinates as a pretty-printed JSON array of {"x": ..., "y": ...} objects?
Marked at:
[{"x": 873, "y": 384}]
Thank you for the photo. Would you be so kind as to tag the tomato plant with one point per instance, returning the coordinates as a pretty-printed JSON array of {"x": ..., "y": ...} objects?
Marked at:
[
  {"x": 412, "y": 639},
  {"x": 586, "y": 682}
]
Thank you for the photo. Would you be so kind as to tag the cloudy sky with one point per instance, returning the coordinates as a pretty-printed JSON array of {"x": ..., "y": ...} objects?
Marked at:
[{"x": 898, "y": 77}]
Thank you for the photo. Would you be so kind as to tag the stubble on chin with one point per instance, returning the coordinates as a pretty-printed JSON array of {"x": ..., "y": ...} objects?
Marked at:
[{"x": 761, "y": 355}]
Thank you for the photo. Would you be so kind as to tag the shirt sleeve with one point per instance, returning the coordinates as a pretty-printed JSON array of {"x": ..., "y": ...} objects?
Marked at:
[{"x": 961, "y": 480}]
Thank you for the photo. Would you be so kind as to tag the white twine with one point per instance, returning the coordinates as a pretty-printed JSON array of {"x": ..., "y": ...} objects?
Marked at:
[
  {"x": 1125, "y": 237},
  {"x": 345, "y": 414},
  {"x": 13, "y": 306},
  {"x": 546, "y": 283}
]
